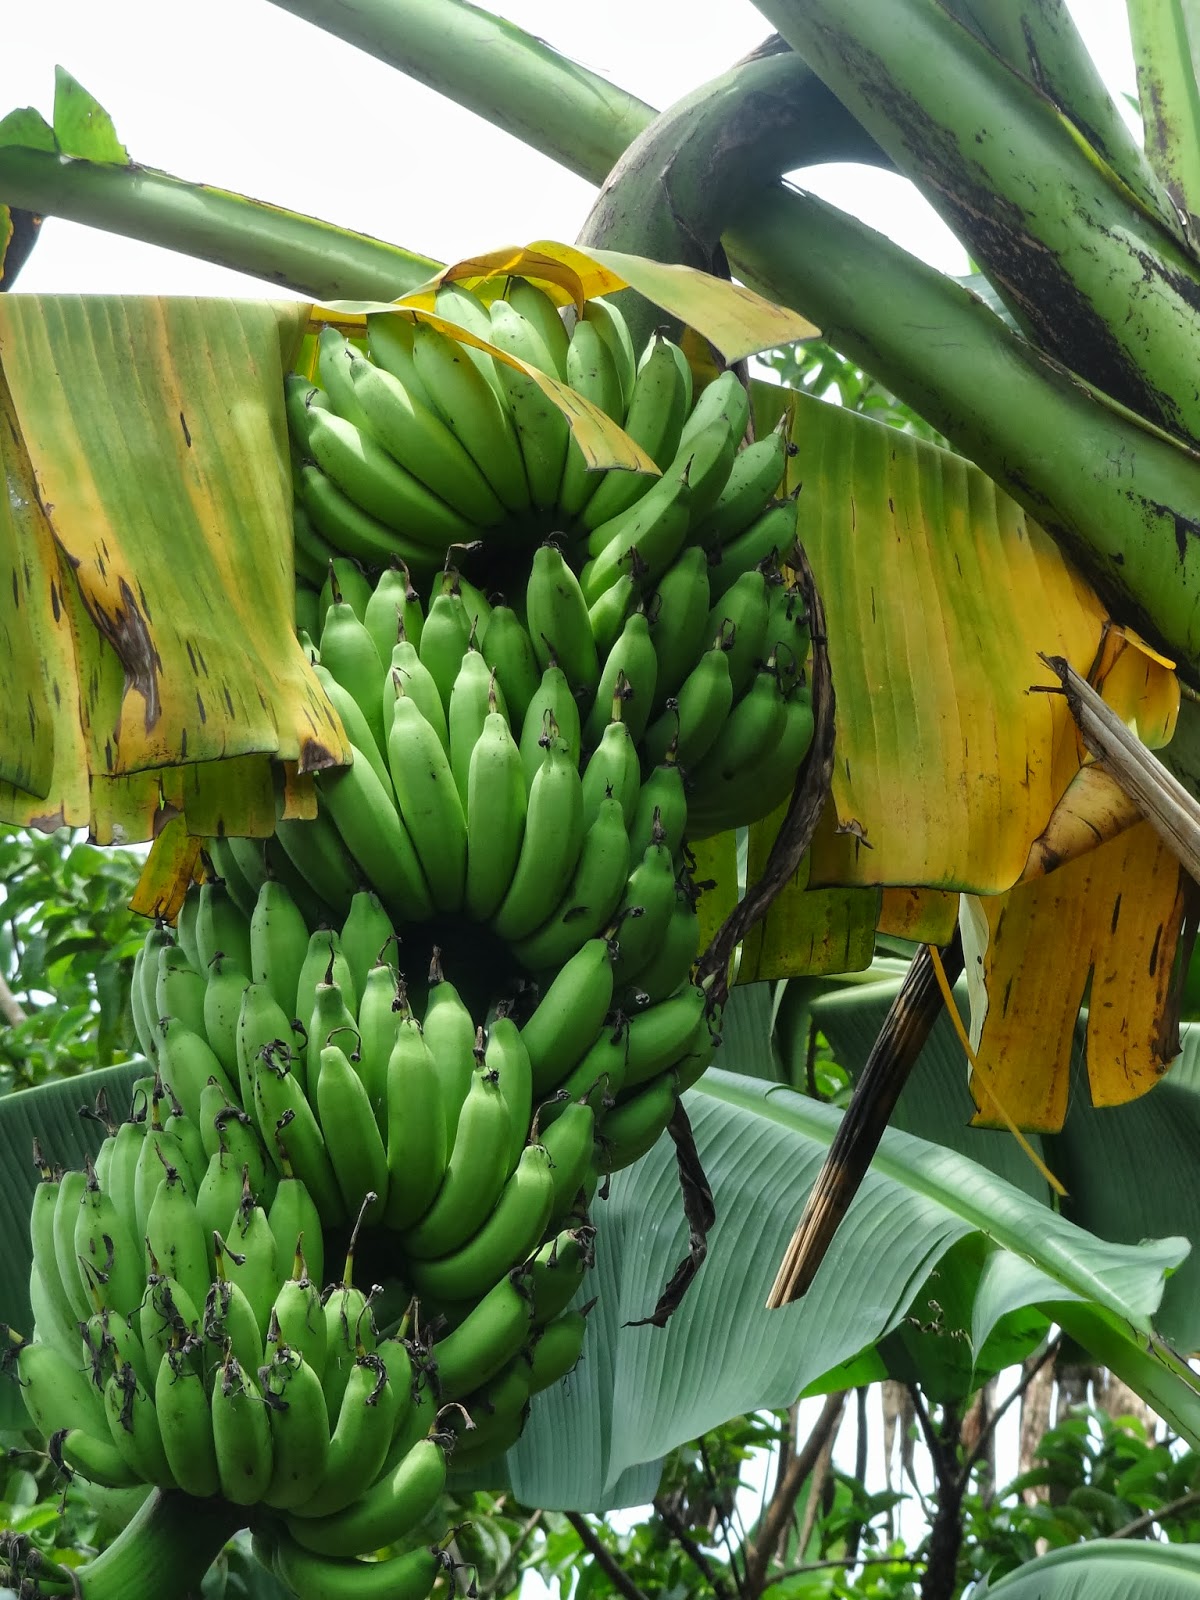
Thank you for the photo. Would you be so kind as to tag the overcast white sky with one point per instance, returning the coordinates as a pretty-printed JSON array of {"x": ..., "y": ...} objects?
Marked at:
[{"x": 250, "y": 98}]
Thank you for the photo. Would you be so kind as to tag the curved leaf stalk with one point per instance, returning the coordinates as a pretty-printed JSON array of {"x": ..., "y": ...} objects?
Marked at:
[
  {"x": 1094, "y": 278},
  {"x": 171, "y": 1541},
  {"x": 1041, "y": 43},
  {"x": 315, "y": 258},
  {"x": 767, "y": 115}
]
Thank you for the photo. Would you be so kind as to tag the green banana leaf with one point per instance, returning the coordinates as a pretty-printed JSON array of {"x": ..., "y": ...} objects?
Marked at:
[
  {"x": 1104, "y": 1569},
  {"x": 640, "y": 1391},
  {"x": 49, "y": 1113},
  {"x": 1129, "y": 1170}
]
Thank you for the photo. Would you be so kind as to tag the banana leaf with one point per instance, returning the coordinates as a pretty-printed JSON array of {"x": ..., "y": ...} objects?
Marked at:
[
  {"x": 1129, "y": 1171},
  {"x": 640, "y": 1391},
  {"x": 1103, "y": 1569}
]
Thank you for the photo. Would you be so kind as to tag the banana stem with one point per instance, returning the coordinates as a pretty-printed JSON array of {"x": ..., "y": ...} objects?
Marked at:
[{"x": 171, "y": 1543}]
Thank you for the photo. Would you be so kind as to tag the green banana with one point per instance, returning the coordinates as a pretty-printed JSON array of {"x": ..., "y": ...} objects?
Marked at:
[
  {"x": 474, "y": 694},
  {"x": 393, "y": 610},
  {"x": 450, "y": 1035},
  {"x": 508, "y": 651},
  {"x": 487, "y": 1338},
  {"x": 592, "y": 896},
  {"x": 475, "y": 1173},
  {"x": 459, "y": 305},
  {"x": 645, "y": 911},
  {"x": 57, "y": 1392},
  {"x": 598, "y": 1076},
  {"x": 612, "y": 328},
  {"x": 569, "y": 1014},
  {"x": 752, "y": 728},
  {"x": 358, "y": 1446},
  {"x": 557, "y": 1271},
  {"x": 133, "y": 1427},
  {"x": 420, "y": 441},
  {"x": 241, "y": 1436},
  {"x": 536, "y": 306},
  {"x": 348, "y": 653},
  {"x": 366, "y": 933},
  {"x": 298, "y": 1317},
  {"x": 771, "y": 538},
  {"x": 220, "y": 926},
  {"x": 553, "y": 710},
  {"x": 741, "y": 616},
  {"x": 612, "y": 768},
  {"x": 633, "y": 658},
  {"x": 429, "y": 803},
  {"x": 644, "y": 540},
  {"x": 185, "y": 1422},
  {"x": 185, "y": 925},
  {"x": 378, "y": 1020},
  {"x": 693, "y": 724},
  {"x": 167, "y": 1317},
  {"x": 550, "y": 846},
  {"x": 417, "y": 1143},
  {"x": 542, "y": 430},
  {"x": 352, "y": 1137},
  {"x": 506, "y": 1057},
  {"x": 568, "y": 1141},
  {"x": 418, "y": 684},
  {"x": 658, "y": 1036},
  {"x": 403, "y": 1577},
  {"x": 357, "y": 729},
  {"x": 187, "y": 1061},
  {"x": 377, "y": 484},
  {"x": 556, "y": 615},
  {"x": 654, "y": 420},
  {"x": 444, "y": 638},
  {"x": 388, "y": 1511},
  {"x": 253, "y": 1259},
  {"x": 339, "y": 518},
  {"x": 225, "y": 985},
  {"x": 476, "y": 604},
  {"x": 496, "y": 805},
  {"x": 314, "y": 850},
  {"x": 176, "y": 1237},
  {"x": 179, "y": 989},
  {"x": 335, "y": 356},
  {"x": 557, "y": 1350},
  {"x": 299, "y": 1424},
  {"x": 766, "y": 781},
  {"x": 671, "y": 965},
  {"x": 506, "y": 1238},
  {"x": 755, "y": 476},
  {"x": 286, "y": 1119},
  {"x": 343, "y": 579},
  {"x": 606, "y": 617},
  {"x": 376, "y": 835},
  {"x": 278, "y": 943},
  {"x": 661, "y": 811},
  {"x": 96, "y": 1460},
  {"x": 474, "y": 412},
  {"x": 635, "y": 1126},
  {"x": 108, "y": 1253},
  {"x": 591, "y": 372},
  {"x": 390, "y": 340}
]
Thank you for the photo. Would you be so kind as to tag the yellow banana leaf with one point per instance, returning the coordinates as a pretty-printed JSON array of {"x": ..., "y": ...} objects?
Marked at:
[
  {"x": 806, "y": 932},
  {"x": 1113, "y": 916},
  {"x": 145, "y": 451},
  {"x": 939, "y": 593},
  {"x": 169, "y": 869},
  {"x": 735, "y": 320},
  {"x": 926, "y": 916},
  {"x": 716, "y": 873}
]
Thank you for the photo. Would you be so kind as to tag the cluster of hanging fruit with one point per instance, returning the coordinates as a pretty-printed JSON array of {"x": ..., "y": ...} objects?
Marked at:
[{"x": 406, "y": 1038}]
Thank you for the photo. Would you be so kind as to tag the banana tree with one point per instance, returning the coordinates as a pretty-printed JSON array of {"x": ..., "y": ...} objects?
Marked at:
[{"x": 1061, "y": 521}]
